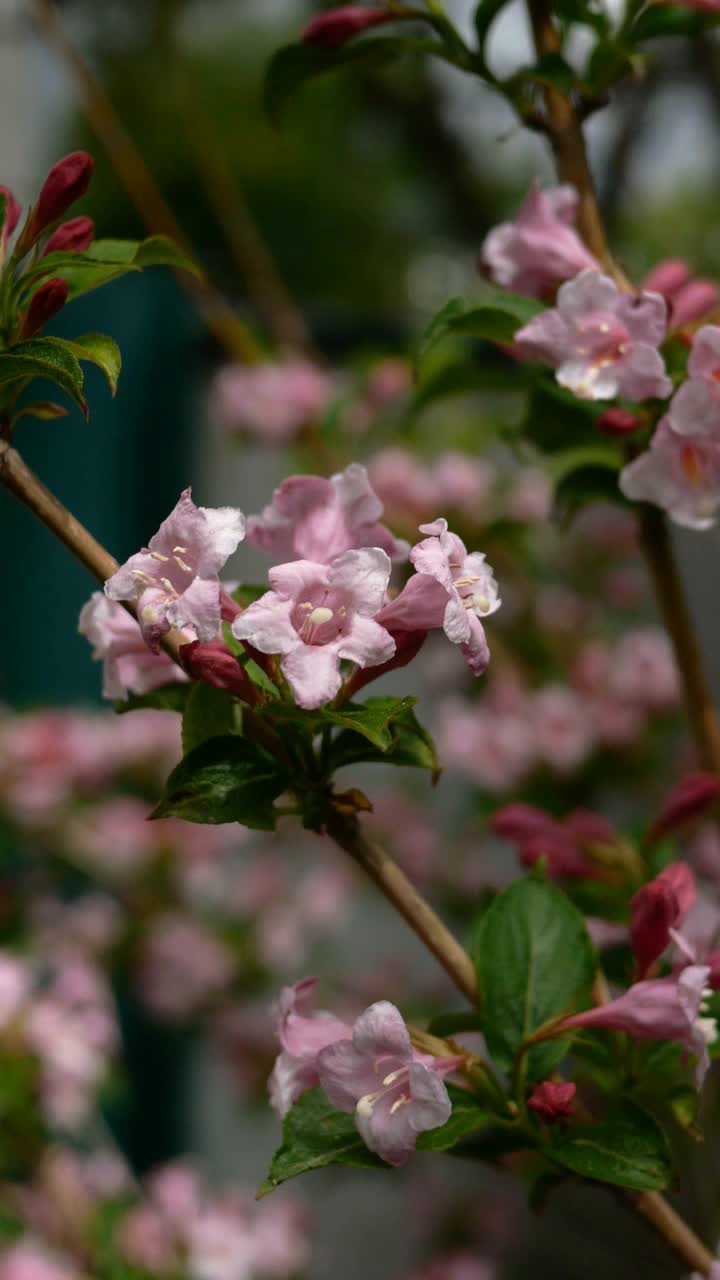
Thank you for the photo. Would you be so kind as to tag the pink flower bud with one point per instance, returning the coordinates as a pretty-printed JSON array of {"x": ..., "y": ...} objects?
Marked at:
[
  {"x": 12, "y": 212},
  {"x": 656, "y": 909},
  {"x": 49, "y": 299},
  {"x": 553, "y": 1100},
  {"x": 667, "y": 277},
  {"x": 690, "y": 799},
  {"x": 72, "y": 237},
  {"x": 330, "y": 30},
  {"x": 66, "y": 182},
  {"x": 695, "y": 300},
  {"x": 617, "y": 422},
  {"x": 216, "y": 665}
]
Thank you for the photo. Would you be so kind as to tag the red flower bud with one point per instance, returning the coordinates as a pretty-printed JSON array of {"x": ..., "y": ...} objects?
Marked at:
[
  {"x": 216, "y": 665},
  {"x": 656, "y": 909},
  {"x": 667, "y": 277},
  {"x": 66, "y": 182},
  {"x": 72, "y": 237},
  {"x": 693, "y": 796},
  {"x": 49, "y": 299},
  {"x": 12, "y": 212},
  {"x": 617, "y": 422},
  {"x": 330, "y": 30},
  {"x": 553, "y": 1100}
]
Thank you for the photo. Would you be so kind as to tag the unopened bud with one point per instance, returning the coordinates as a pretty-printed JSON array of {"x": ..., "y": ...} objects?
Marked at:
[
  {"x": 66, "y": 182},
  {"x": 49, "y": 299},
  {"x": 72, "y": 237},
  {"x": 617, "y": 422},
  {"x": 330, "y": 30},
  {"x": 667, "y": 277},
  {"x": 213, "y": 663},
  {"x": 553, "y": 1100},
  {"x": 12, "y": 212},
  {"x": 693, "y": 301},
  {"x": 692, "y": 798},
  {"x": 657, "y": 908}
]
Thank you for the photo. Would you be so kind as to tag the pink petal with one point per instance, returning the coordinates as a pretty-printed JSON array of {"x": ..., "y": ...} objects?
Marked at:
[
  {"x": 266, "y": 624},
  {"x": 430, "y": 1106},
  {"x": 364, "y": 575},
  {"x": 381, "y": 1029},
  {"x": 198, "y": 607},
  {"x": 294, "y": 579},
  {"x": 313, "y": 673},
  {"x": 367, "y": 643},
  {"x": 346, "y": 1074}
]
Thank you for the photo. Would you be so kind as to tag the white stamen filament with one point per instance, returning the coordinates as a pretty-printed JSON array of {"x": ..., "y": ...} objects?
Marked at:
[
  {"x": 395, "y": 1075},
  {"x": 168, "y": 586},
  {"x": 182, "y": 550},
  {"x": 708, "y": 1029},
  {"x": 182, "y": 564},
  {"x": 158, "y": 555},
  {"x": 138, "y": 573},
  {"x": 401, "y": 1102}
]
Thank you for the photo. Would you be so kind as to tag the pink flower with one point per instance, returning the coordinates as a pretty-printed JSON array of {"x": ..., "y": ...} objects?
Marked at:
[
  {"x": 540, "y": 249},
  {"x": 450, "y": 589},
  {"x": 330, "y": 30},
  {"x": 656, "y": 909},
  {"x": 688, "y": 299},
  {"x": 12, "y": 212},
  {"x": 660, "y": 1009},
  {"x": 66, "y": 182},
  {"x": 714, "y": 1272},
  {"x": 270, "y": 401},
  {"x": 29, "y": 1260},
  {"x": 530, "y": 497},
  {"x": 182, "y": 966},
  {"x": 689, "y": 799},
  {"x": 302, "y": 1033},
  {"x": 695, "y": 407},
  {"x": 175, "y": 580},
  {"x": 552, "y": 1100},
  {"x": 128, "y": 665},
  {"x": 494, "y": 748},
  {"x": 601, "y": 342},
  {"x": 394, "y": 1092},
  {"x": 680, "y": 473},
  {"x": 317, "y": 614},
  {"x": 311, "y": 518},
  {"x": 563, "y": 732},
  {"x": 643, "y": 671},
  {"x": 72, "y": 237}
]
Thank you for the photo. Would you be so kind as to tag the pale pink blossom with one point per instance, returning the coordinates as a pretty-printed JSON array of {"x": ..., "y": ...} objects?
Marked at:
[
  {"x": 302, "y": 1032},
  {"x": 128, "y": 665},
  {"x": 688, "y": 298},
  {"x": 458, "y": 1266},
  {"x": 317, "y": 614},
  {"x": 312, "y": 518},
  {"x": 270, "y": 401},
  {"x": 643, "y": 671},
  {"x": 30, "y": 1260},
  {"x": 113, "y": 836},
  {"x": 680, "y": 473},
  {"x": 496, "y": 750},
  {"x": 563, "y": 733},
  {"x": 601, "y": 342},
  {"x": 695, "y": 407},
  {"x": 540, "y": 248},
  {"x": 462, "y": 483},
  {"x": 403, "y": 484},
  {"x": 182, "y": 966},
  {"x": 450, "y": 589},
  {"x": 174, "y": 581},
  {"x": 147, "y": 1240},
  {"x": 530, "y": 496},
  {"x": 394, "y": 1092},
  {"x": 714, "y": 1273}
]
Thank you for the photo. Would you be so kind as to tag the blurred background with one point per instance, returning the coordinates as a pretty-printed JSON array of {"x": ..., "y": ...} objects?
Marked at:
[{"x": 334, "y": 238}]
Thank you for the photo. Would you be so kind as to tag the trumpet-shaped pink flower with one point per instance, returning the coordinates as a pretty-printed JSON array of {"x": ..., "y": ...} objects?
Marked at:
[
  {"x": 661, "y": 1009},
  {"x": 680, "y": 473},
  {"x": 175, "y": 580},
  {"x": 540, "y": 248},
  {"x": 272, "y": 402},
  {"x": 317, "y": 614},
  {"x": 656, "y": 909},
  {"x": 128, "y": 665},
  {"x": 394, "y": 1092},
  {"x": 302, "y": 1032},
  {"x": 695, "y": 407},
  {"x": 311, "y": 518},
  {"x": 450, "y": 589},
  {"x": 602, "y": 343}
]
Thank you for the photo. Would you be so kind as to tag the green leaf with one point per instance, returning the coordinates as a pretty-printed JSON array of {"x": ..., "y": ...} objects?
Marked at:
[
  {"x": 373, "y": 719},
  {"x": 495, "y": 316},
  {"x": 169, "y": 697},
  {"x": 534, "y": 961},
  {"x": 410, "y": 745},
  {"x": 669, "y": 20},
  {"x": 628, "y": 1150},
  {"x": 292, "y": 66},
  {"x": 225, "y": 779},
  {"x": 497, "y": 373},
  {"x": 44, "y": 410},
  {"x": 448, "y": 1024},
  {"x": 556, "y": 419},
  {"x": 103, "y": 261},
  {"x": 315, "y": 1135},
  {"x": 552, "y": 70},
  {"x": 586, "y": 474},
  {"x": 209, "y": 713},
  {"x": 485, "y": 14},
  {"x": 468, "y": 1115},
  {"x": 44, "y": 358},
  {"x": 98, "y": 349}
]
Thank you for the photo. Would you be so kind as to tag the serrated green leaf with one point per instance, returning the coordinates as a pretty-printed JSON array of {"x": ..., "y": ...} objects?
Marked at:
[
  {"x": 169, "y": 697},
  {"x": 103, "y": 261},
  {"x": 315, "y": 1136},
  {"x": 44, "y": 358},
  {"x": 534, "y": 960},
  {"x": 495, "y": 315},
  {"x": 295, "y": 64},
  {"x": 98, "y": 349},
  {"x": 209, "y": 713},
  {"x": 628, "y": 1150},
  {"x": 373, "y": 719},
  {"x": 468, "y": 1115},
  {"x": 225, "y": 779},
  {"x": 410, "y": 746}
]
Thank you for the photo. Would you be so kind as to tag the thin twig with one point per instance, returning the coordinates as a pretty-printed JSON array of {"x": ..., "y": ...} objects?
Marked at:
[{"x": 140, "y": 185}]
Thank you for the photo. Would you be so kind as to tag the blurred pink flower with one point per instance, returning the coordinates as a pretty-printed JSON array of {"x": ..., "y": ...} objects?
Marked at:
[
  {"x": 182, "y": 966},
  {"x": 679, "y": 473},
  {"x": 270, "y": 401},
  {"x": 539, "y": 249},
  {"x": 30, "y": 1260},
  {"x": 564, "y": 735},
  {"x": 302, "y": 1032}
]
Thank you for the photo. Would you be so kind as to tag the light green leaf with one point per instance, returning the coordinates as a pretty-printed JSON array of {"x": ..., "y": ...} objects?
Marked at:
[
  {"x": 373, "y": 719},
  {"x": 99, "y": 349},
  {"x": 103, "y": 261},
  {"x": 44, "y": 410},
  {"x": 410, "y": 745}
]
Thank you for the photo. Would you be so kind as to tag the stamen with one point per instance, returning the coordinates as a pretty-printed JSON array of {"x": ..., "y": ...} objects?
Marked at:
[
  {"x": 481, "y": 602},
  {"x": 395, "y": 1075},
  {"x": 158, "y": 555},
  {"x": 182, "y": 564},
  {"x": 168, "y": 586},
  {"x": 138, "y": 573},
  {"x": 182, "y": 550},
  {"x": 401, "y": 1102}
]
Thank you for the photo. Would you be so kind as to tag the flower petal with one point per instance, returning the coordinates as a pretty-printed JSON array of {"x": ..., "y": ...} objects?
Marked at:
[
  {"x": 367, "y": 643},
  {"x": 430, "y": 1106},
  {"x": 266, "y": 624},
  {"x": 364, "y": 574},
  {"x": 381, "y": 1030},
  {"x": 313, "y": 673}
]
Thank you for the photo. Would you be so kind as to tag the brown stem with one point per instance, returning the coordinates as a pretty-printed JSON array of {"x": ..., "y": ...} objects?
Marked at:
[
  {"x": 396, "y": 887},
  {"x": 675, "y": 1232},
  {"x": 673, "y": 605},
  {"x": 140, "y": 185}
]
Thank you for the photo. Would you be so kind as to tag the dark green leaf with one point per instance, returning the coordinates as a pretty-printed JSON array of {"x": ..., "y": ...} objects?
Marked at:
[
  {"x": 170, "y": 697},
  {"x": 468, "y": 1115},
  {"x": 410, "y": 745},
  {"x": 551, "y": 70},
  {"x": 586, "y": 474},
  {"x": 556, "y": 419},
  {"x": 315, "y": 1136},
  {"x": 225, "y": 779},
  {"x": 628, "y": 1150},
  {"x": 608, "y": 62},
  {"x": 534, "y": 961},
  {"x": 373, "y": 719},
  {"x": 496, "y": 316},
  {"x": 448, "y": 1024},
  {"x": 209, "y": 713},
  {"x": 485, "y": 14},
  {"x": 295, "y": 64},
  {"x": 99, "y": 349},
  {"x": 44, "y": 358},
  {"x": 669, "y": 20},
  {"x": 44, "y": 410},
  {"x": 497, "y": 373}
]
